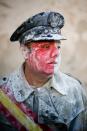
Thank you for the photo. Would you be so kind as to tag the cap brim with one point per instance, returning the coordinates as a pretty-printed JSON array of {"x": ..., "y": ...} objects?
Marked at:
[{"x": 48, "y": 37}]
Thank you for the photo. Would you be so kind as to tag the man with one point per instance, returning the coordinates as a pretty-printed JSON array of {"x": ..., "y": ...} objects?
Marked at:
[{"x": 57, "y": 101}]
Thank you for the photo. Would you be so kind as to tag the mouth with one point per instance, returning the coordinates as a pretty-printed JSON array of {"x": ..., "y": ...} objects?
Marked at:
[{"x": 53, "y": 62}]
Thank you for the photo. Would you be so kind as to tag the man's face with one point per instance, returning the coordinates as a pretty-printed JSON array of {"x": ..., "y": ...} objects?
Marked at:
[{"x": 42, "y": 56}]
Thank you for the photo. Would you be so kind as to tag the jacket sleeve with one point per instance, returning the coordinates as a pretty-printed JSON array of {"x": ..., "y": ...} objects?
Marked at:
[{"x": 79, "y": 123}]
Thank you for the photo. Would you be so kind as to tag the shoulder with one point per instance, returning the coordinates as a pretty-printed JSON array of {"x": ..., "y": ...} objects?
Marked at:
[
  {"x": 7, "y": 80},
  {"x": 75, "y": 87},
  {"x": 71, "y": 80}
]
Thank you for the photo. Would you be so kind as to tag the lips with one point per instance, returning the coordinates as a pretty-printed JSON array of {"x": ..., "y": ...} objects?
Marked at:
[{"x": 52, "y": 62}]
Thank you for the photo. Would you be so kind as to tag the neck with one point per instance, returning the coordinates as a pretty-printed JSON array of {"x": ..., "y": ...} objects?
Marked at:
[{"x": 34, "y": 78}]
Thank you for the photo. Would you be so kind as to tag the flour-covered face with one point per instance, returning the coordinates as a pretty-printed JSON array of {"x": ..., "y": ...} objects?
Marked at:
[{"x": 42, "y": 56}]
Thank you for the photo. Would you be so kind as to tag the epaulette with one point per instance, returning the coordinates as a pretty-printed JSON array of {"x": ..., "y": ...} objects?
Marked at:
[
  {"x": 74, "y": 78},
  {"x": 3, "y": 80}
]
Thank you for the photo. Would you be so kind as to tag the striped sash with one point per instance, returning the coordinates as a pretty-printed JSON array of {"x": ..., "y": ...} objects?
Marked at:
[{"x": 16, "y": 114}]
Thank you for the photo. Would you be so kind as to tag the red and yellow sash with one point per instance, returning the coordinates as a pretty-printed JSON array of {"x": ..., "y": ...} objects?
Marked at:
[{"x": 17, "y": 113}]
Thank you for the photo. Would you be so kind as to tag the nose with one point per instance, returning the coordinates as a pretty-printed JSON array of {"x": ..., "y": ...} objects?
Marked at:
[{"x": 54, "y": 51}]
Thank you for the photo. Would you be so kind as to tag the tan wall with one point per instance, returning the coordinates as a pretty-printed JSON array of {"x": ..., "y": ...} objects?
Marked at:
[{"x": 74, "y": 50}]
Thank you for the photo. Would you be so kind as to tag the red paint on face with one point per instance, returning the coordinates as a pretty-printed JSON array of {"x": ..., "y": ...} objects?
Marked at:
[{"x": 42, "y": 57}]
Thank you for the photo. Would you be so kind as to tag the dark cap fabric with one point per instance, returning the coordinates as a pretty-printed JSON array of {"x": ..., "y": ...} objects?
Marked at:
[{"x": 42, "y": 26}]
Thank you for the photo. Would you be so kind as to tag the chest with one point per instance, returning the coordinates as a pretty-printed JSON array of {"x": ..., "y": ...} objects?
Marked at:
[{"x": 52, "y": 107}]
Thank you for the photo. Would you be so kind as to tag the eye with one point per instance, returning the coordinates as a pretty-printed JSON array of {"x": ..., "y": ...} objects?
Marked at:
[{"x": 45, "y": 46}]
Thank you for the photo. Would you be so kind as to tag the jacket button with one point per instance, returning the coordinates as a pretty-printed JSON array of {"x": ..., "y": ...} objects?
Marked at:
[{"x": 4, "y": 78}]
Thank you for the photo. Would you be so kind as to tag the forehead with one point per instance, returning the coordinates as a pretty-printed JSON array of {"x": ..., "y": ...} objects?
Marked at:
[{"x": 42, "y": 42}]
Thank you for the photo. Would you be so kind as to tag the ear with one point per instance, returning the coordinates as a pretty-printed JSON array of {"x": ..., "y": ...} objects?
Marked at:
[{"x": 25, "y": 51}]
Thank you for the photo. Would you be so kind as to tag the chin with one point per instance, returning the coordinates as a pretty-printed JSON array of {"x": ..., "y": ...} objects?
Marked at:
[{"x": 49, "y": 74}]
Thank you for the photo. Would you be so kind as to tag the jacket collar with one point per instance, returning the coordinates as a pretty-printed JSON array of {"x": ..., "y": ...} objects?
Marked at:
[{"x": 22, "y": 89}]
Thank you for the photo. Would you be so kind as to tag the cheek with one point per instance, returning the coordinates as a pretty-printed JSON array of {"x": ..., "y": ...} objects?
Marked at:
[
  {"x": 42, "y": 56},
  {"x": 36, "y": 61},
  {"x": 32, "y": 61},
  {"x": 30, "y": 58}
]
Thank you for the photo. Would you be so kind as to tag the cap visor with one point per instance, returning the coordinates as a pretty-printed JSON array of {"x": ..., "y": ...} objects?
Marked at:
[{"x": 49, "y": 37}]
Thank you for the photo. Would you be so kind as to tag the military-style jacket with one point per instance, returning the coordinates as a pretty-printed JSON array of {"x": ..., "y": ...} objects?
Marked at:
[{"x": 61, "y": 100}]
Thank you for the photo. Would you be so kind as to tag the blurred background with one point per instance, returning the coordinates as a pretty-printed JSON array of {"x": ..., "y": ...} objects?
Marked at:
[{"x": 74, "y": 49}]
